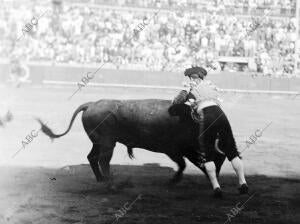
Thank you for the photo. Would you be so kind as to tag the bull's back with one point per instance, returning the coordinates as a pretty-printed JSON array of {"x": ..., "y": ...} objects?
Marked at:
[
  {"x": 142, "y": 111},
  {"x": 150, "y": 123},
  {"x": 132, "y": 113},
  {"x": 138, "y": 123},
  {"x": 148, "y": 111}
]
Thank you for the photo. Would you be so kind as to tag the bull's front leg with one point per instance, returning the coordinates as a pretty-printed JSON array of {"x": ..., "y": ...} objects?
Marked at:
[{"x": 181, "y": 166}]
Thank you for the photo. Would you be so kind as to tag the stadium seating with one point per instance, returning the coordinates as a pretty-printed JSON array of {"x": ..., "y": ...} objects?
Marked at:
[{"x": 101, "y": 33}]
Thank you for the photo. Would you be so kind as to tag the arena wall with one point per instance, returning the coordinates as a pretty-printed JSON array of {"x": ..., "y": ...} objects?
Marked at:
[{"x": 40, "y": 72}]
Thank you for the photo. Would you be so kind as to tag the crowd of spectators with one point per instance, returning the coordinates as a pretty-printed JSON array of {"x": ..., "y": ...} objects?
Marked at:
[
  {"x": 279, "y": 7},
  {"x": 171, "y": 38}
]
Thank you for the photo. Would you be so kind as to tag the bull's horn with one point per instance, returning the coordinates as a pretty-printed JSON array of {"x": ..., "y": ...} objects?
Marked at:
[{"x": 217, "y": 147}]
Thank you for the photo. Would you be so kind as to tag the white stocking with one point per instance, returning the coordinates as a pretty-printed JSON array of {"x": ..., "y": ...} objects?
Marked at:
[
  {"x": 238, "y": 167},
  {"x": 211, "y": 171}
]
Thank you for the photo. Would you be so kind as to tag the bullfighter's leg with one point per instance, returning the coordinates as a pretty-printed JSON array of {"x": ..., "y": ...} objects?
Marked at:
[
  {"x": 210, "y": 165},
  {"x": 228, "y": 146},
  {"x": 93, "y": 159},
  {"x": 211, "y": 169},
  {"x": 238, "y": 167},
  {"x": 192, "y": 156},
  {"x": 208, "y": 133},
  {"x": 181, "y": 166},
  {"x": 212, "y": 175}
]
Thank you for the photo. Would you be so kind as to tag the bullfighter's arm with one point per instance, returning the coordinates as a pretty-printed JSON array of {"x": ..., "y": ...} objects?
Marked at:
[
  {"x": 181, "y": 97},
  {"x": 179, "y": 105}
]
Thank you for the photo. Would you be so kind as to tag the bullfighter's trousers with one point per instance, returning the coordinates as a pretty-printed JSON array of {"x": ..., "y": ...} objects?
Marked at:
[{"x": 214, "y": 124}]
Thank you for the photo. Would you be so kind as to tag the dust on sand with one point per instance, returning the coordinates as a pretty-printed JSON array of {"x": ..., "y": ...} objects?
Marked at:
[{"x": 139, "y": 194}]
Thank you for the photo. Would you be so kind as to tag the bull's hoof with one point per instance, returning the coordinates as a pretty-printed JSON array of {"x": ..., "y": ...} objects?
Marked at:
[
  {"x": 111, "y": 188},
  {"x": 107, "y": 178},
  {"x": 218, "y": 193},
  {"x": 244, "y": 189},
  {"x": 175, "y": 180},
  {"x": 172, "y": 182},
  {"x": 99, "y": 179}
]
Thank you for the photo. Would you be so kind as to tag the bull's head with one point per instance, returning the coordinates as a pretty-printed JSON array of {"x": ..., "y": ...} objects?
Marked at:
[{"x": 181, "y": 110}]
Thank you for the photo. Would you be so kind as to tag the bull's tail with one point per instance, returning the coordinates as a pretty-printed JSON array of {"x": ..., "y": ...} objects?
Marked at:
[{"x": 47, "y": 131}]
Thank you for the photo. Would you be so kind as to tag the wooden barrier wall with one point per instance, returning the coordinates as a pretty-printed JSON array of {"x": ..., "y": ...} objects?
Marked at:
[{"x": 224, "y": 80}]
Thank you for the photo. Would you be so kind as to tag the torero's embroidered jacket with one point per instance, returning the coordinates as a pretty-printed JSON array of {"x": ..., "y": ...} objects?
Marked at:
[{"x": 204, "y": 91}]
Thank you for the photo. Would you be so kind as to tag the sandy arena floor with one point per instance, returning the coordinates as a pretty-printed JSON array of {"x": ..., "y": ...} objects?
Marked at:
[{"x": 35, "y": 189}]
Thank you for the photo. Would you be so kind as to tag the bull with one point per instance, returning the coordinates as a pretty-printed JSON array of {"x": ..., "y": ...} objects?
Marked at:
[{"x": 146, "y": 124}]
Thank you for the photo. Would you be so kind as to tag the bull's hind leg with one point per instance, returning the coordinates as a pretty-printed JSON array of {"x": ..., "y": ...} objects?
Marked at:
[
  {"x": 93, "y": 158},
  {"x": 104, "y": 160},
  {"x": 181, "y": 166}
]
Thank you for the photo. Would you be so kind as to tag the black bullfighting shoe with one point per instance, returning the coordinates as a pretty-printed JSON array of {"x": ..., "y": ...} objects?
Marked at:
[
  {"x": 243, "y": 189},
  {"x": 218, "y": 193}
]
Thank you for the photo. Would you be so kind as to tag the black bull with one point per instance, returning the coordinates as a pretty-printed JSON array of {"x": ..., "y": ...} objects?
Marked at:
[{"x": 143, "y": 124}]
